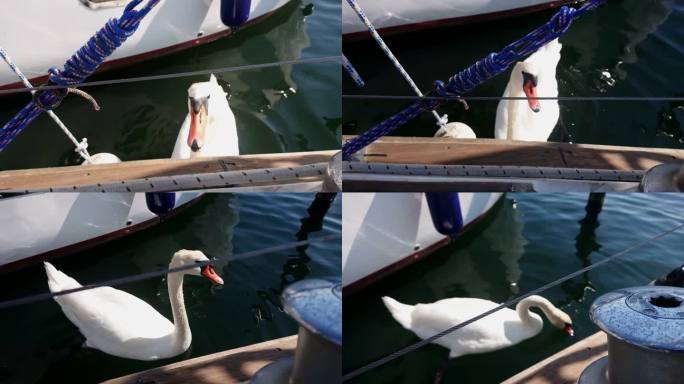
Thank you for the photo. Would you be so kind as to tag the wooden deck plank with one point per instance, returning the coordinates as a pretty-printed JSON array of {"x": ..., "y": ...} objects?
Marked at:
[
  {"x": 228, "y": 367},
  {"x": 566, "y": 366},
  {"x": 43, "y": 178},
  {"x": 430, "y": 150}
]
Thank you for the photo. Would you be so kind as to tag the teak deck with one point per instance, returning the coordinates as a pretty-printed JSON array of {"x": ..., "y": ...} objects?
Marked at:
[
  {"x": 234, "y": 366},
  {"x": 44, "y": 178},
  {"x": 429, "y": 150},
  {"x": 566, "y": 366}
]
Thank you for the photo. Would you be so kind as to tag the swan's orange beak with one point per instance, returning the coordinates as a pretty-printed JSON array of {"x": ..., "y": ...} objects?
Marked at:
[
  {"x": 198, "y": 123},
  {"x": 209, "y": 272},
  {"x": 568, "y": 329},
  {"x": 530, "y": 89}
]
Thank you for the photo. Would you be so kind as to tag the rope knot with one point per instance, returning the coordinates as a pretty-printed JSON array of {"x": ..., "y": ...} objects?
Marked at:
[
  {"x": 49, "y": 99},
  {"x": 441, "y": 89}
]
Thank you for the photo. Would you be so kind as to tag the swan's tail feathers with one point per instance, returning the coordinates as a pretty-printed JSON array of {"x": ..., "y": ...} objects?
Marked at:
[
  {"x": 58, "y": 280},
  {"x": 400, "y": 312}
]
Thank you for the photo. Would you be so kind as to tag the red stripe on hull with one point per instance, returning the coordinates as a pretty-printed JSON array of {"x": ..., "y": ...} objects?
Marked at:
[
  {"x": 91, "y": 243},
  {"x": 433, "y": 24}
]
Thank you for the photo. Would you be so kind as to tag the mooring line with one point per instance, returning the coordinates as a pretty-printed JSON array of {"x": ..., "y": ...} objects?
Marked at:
[
  {"x": 139, "y": 79},
  {"x": 153, "y": 274},
  {"x": 413, "y": 347},
  {"x": 486, "y": 98}
]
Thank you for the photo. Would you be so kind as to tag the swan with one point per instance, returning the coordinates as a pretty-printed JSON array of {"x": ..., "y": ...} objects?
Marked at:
[
  {"x": 209, "y": 129},
  {"x": 499, "y": 330},
  {"x": 530, "y": 78},
  {"x": 120, "y": 324},
  {"x": 456, "y": 131}
]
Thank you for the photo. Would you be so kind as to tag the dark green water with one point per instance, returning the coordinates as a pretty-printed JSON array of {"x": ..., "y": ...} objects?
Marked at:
[
  {"x": 528, "y": 241},
  {"x": 637, "y": 41},
  {"x": 282, "y": 109},
  {"x": 40, "y": 345}
]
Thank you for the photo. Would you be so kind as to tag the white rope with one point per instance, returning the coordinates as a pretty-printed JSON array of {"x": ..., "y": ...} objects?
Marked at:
[{"x": 81, "y": 147}]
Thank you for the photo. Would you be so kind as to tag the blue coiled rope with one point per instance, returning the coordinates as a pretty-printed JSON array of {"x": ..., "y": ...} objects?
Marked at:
[
  {"x": 78, "y": 68},
  {"x": 478, "y": 73}
]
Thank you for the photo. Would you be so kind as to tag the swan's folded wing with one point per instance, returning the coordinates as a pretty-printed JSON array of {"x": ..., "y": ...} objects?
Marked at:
[
  {"x": 431, "y": 319},
  {"x": 110, "y": 315}
]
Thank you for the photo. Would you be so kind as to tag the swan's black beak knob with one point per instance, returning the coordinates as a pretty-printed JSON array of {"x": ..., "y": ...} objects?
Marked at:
[{"x": 195, "y": 146}]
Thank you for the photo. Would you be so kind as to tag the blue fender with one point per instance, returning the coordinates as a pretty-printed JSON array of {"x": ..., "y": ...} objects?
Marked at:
[
  {"x": 160, "y": 203},
  {"x": 445, "y": 209},
  {"x": 234, "y": 13}
]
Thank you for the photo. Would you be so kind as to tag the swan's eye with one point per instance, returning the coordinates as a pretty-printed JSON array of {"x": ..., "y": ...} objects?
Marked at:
[{"x": 527, "y": 77}]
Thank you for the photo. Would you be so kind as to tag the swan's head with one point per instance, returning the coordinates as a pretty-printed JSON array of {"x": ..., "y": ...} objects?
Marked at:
[
  {"x": 562, "y": 320},
  {"x": 537, "y": 69},
  {"x": 199, "y": 95},
  {"x": 185, "y": 257}
]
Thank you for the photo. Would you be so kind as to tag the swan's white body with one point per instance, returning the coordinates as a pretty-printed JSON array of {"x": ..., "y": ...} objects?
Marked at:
[
  {"x": 122, "y": 325},
  {"x": 456, "y": 130},
  {"x": 515, "y": 119},
  {"x": 221, "y": 137},
  {"x": 499, "y": 330}
]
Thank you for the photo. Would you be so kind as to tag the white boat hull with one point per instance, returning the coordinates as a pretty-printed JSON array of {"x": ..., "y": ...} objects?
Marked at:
[
  {"x": 38, "y": 226},
  {"x": 40, "y": 34},
  {"x": 397, "y": 15},
  {"x": 383, "y": 232}
]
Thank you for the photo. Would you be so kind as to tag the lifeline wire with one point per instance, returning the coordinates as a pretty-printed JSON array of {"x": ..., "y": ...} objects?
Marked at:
[
  {"x": 509, "y": 303},
  {"x": 152, "y": 274},
  {"x": 129, "y": 80},
  {"x": 485, "y": 98}
]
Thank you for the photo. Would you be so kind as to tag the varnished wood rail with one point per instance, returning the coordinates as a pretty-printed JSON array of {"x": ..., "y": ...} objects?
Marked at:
[
  {"x": 79, "y": 176},
  {"x": 228, "y": 367},
  {"x": 429, "y": 150},
  {"x": 566, "y": 366}
]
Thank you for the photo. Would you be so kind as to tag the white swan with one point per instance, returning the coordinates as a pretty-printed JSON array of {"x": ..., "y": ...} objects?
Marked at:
[
  {"x": 209, "y": 129},
  {"x": 456, "y": 131},
  {"x": 531, "y": 119},
  {"x": 497, "y": 331},
  {"x": 122, "y": 325}
]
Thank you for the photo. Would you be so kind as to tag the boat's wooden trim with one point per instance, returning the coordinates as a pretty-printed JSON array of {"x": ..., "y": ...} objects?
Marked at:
[
  {"x": 430, "y": 150},
  {"x": 79, "y": 176},
  {"x": 566, "y": 366},
  {"x": 440, "y": 23},
  {"x": 228, "y": 367}
]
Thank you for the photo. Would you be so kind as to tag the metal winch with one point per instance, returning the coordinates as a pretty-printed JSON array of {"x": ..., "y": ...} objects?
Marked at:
[
  {"x": 316, "y": 304},
  {"x": 645, "y": 327},
  {"x": 668, "y": 177}
]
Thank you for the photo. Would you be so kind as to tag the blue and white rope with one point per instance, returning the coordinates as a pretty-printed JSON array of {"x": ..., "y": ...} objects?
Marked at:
[
  {"x": 353, "y": 73},
  {"x": 80, "y": 66},
  {"x": 82, "y": 147},
  {"x": 483, "y": 70}
]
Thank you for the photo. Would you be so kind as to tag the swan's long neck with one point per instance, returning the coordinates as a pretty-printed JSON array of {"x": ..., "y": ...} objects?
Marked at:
[
  {"x": 182, "y": 333},
  {"x": 515, "y": 117},
  {"x": 526, "y": 316}
]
